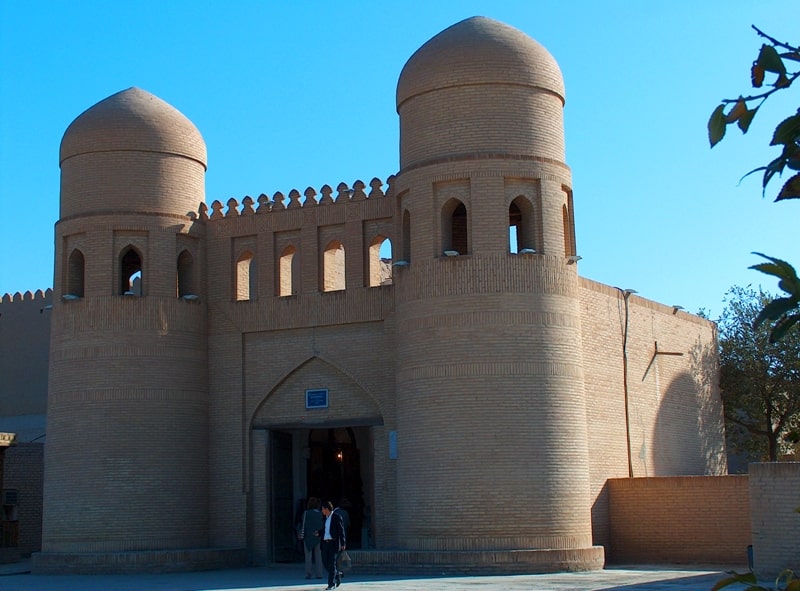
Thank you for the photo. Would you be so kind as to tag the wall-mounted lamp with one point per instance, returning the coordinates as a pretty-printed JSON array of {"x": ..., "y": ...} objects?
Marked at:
[
  {"x": 451, "y": 253},
  {"x": 527, "y": 251},
  {"x": 190, "y": 297},
  {"x": 70, "y": 297},
  {"x": 573, "y": 259},
  {"x": 400, "y": 264},
  {"x": 676, "y": 308},
  {"x": 47, "y": 307},
  {"x": 627, "y": 292}
]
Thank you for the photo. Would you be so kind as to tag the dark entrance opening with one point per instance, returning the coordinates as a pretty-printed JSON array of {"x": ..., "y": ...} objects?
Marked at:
[
  {"x": 283, "y": 533},
  {"x": 334, "y": 473}
]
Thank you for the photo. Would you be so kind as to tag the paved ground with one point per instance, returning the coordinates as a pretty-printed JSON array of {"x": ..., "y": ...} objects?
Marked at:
[{"x": 290, "y": 578}]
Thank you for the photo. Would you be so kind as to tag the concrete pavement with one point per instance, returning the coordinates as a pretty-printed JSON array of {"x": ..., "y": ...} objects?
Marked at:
[{"x": 290, "y": 578}]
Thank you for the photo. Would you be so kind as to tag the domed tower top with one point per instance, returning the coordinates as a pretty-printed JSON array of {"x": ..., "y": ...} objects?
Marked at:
[
  {"x": 479, "y": 50},
  {"x": 133, "y": 119},
  {"x": 131, "y": 131},
  {"x": 470, "y": 74}
]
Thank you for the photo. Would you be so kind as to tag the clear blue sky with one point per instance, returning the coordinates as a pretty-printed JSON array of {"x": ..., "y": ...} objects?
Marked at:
[{"x": 296, "y": 94}]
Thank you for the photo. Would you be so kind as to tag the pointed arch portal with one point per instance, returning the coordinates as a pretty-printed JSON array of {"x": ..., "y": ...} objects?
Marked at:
[{"x": 322, "y": 452}]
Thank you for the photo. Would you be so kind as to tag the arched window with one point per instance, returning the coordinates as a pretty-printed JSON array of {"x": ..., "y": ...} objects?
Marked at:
[
  {"x": 380, "y": 261},
  {"x": 454, "y": 227},
  {"x": 75, "y": 274},
  {"x": 245, "y": 277},
  {"x": 521, "y": 226},
  {"x": 187, "y": 282},
  {"x": 406, "y": 236},
  {"x": 130, "y": 272},
  {"x": 286, "y": 272},
  {"x": 333, "y": 267}
]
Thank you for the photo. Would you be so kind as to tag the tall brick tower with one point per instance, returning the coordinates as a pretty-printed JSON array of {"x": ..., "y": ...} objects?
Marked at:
[
  {"x": 126, "y": 466},
  {"x": 490, "y": 384}
]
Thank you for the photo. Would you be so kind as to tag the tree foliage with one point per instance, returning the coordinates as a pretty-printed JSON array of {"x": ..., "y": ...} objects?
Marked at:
[
  {"x": 786, "y": 581},
  {"x": 759, "y": 379},
  {"x": 776, "y": 68},
  {"x": 781, "y": 311},
  {"x": 775, "y": 58}
]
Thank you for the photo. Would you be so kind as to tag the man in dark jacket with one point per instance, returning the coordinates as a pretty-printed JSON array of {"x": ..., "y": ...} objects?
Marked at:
[{"x": 334, "y": 540}]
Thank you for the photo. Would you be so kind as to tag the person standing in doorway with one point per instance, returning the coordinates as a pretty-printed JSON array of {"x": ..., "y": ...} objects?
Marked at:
[
  {"x": 334, "y": 540},
  {"x": 313, "y": 520}
]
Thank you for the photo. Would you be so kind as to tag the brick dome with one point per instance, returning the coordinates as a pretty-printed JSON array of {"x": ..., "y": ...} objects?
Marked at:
[
  {"x": 480, "y": 88},
  {"x": 132, "y": 152},
  {"x": 133, "y": 120},
  {"x": 479, "y": 51}
]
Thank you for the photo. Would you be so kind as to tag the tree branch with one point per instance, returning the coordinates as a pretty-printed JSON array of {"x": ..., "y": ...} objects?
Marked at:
[
  {"x": 774, "y": 41},
  {"x": 764, "y": 95},
  {"x": 749, "y": 427}
]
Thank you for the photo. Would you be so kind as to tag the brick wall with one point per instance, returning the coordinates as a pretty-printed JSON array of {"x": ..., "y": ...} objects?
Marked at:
[
  {"x": 674, "y": 407},
  {"x": 695, "y": 519},
  {"x": 24, "y": 342},
  {"x": 24, "y": 471},
  {"x": 774, "y": 500}
]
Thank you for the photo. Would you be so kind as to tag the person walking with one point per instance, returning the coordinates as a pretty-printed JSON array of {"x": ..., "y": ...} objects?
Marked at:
[
  {"x": 313, "y": 520},
  {"x": 334, "y": 540}
]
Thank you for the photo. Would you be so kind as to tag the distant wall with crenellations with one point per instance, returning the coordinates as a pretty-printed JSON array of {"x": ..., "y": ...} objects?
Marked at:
[{"x": 24, "y": 347}]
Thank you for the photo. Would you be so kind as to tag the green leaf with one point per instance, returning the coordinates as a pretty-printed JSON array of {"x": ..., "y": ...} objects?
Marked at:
[
  {"x": 782, "y": 326},
  {"x": 789, "y": 287},
  {"x": 793, "y": 158},
  {"x": 757, "y": 75},
  {"x": 790, "y": 190},
  {"x": 782, "y": 82},
  {"x": 735, "y": 578},
  {"x": 716, "y": 125},
  {"x": 787, "y": 131},
  {"x": 769, "y": 59},
  {"x": 779, "y": 268},
  {"x": 752, "y": 171},
  {"x": 773, "y": 168},
  {"x": 785, "y": 576},
  {"x": 775, "y": 309},
  {"x": 739, "y": 108},
  {"x": 745, "y": 119}
]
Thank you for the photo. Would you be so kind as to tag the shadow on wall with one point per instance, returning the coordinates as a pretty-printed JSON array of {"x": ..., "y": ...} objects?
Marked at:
[
  {"x": 689, "y": 431},
  {"x": 601, "y": 532}
]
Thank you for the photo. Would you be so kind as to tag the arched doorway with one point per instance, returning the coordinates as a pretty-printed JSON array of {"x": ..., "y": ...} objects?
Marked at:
[{"x": 334, "y": 472}]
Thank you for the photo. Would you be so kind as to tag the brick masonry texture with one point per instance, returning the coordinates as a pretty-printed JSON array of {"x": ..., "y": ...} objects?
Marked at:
[
  {"x": 488, "y": 380},
  {"x": 775, "y": 514},
  {"x": 695, "y": 520}
]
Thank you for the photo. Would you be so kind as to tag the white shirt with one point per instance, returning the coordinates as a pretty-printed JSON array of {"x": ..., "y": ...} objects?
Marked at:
[{"x": 327, "y": 535}]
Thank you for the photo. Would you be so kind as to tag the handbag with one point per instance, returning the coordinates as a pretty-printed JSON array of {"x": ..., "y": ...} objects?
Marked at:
[{"x": 343, "y": 563}]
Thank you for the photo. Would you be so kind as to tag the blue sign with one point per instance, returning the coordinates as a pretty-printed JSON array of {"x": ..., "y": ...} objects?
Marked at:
[{"x": 317, "y": 398}]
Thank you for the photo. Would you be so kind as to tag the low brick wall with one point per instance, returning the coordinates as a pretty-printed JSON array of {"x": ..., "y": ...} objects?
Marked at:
[
  {"x": 24, "y": 472},
  {"x": 775, "y": 496},
  {"x": 680, "y": 520}
]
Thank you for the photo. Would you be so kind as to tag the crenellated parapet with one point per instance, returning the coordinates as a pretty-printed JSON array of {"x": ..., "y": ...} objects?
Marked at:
[
  {"x": 38, "y": 296},
  {"x": 310, "y": 198},
  {"x": 283, "y": 245}
]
